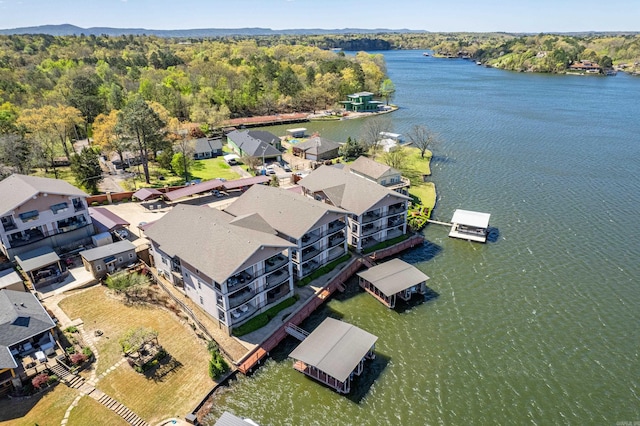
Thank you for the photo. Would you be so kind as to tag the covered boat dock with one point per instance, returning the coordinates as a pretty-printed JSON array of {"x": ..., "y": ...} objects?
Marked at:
[
  {"x": 393, "y": 279},
  {"x": 470, "y": 225},
  {"x": 334, "y": 353}
]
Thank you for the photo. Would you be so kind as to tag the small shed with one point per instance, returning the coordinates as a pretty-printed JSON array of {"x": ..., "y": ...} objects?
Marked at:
[
  {"x": 392, "y": 279},
  {"x": 144, "y": 194},
  {"x": 470, "y": 225},
  {"x": 333, "y": 353},
  {"x": 11, "y": 280},
  {"x": 101, "y": 239},
  {"x": 108, "y": 258}
]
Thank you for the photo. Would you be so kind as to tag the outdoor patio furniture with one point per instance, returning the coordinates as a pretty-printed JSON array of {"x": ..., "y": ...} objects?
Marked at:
[{"x": 40, "y": 356}]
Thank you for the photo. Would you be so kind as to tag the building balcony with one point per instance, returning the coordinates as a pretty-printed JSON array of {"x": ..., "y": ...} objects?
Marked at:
[
  {"x": 404, "y": 183},
  {"x": 72, "y": 224},
  {"x": 310, "y": 238},
  {"x": 242, "y": 313},
  {"x": 395, "y": 221},
  {"x": 27, "y": 237},
  {"x": 370, "y": 229},
  {"x": 395, "y": 232},
  {"x": 396, "y": 209},
  {"x": 335, "y": 226},
  {"x": 369, "y": 241},
  {"x": 239, "y": 280},
  {"x": 241, "y": 296},
  {"x": 335, "y": 253},
  {"x": 9, "y": 226},
  {"x": 278, "y": 293},
  {"x": 309, "y": 267},
  {"x": 370, "y": 216},
  {"x": 336, "y": 239},
  {"x": 309, "y": 253},
  {"x": 275, "y": 262},
  {"x": 277, "y": 277}
]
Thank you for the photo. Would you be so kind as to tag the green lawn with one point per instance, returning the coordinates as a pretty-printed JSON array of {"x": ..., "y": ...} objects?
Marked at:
[
  {"x": 64, "y": 173},
  {"x": 213, "y": 168}
]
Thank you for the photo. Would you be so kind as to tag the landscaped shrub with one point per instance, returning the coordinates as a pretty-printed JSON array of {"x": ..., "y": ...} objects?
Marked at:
[
  {"x": 40, "y": 380},
  {"x": 78, "y": 358},
  {"x": 52, "y": 379},
  {"x": 87, "y": 351},
  {"x": 121, "y": 282},
  {"x": 70, "y": 350},
  {"x": 95, "y": 203},
  {"x": 71, "y": 329},
  {"x": 217, "y": 365}
]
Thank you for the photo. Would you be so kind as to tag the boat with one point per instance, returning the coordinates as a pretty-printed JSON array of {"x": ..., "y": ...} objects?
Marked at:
[
  {"x": 478, "y": 63},
  {"x": 425, "y": 54}
]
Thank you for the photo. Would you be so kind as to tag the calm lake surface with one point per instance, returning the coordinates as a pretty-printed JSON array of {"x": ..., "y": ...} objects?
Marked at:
[{"x": 541, "y": 326}]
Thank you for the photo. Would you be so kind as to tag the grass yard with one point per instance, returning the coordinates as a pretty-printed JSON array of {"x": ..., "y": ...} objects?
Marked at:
[
  {"x": 44, "y": 410},
  {"x": 91, "y": 412},
  {"x": 212, "y": 168},
  {"x": 154, "y": 399},
  {"x": 64, "y": 173}
]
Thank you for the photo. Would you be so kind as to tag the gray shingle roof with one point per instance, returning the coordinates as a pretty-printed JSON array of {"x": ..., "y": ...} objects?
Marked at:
[
  {"x": 107, "y": 250},
  {"x": 346, "y": 190},
  {"x": 17, "y": 189},
  {"x": 335, "y": 347},
  {"x": 203, "y": 145},
  {"x": 393, "y": 276},
  {"x": 206, "y": 239},
  {"x": 253, "y": 142},
  {"x": 317, "y": 146},
  {"x": 21, "y": 317},
  {"x": 289, "y": 213},
  {"x": 371, "y": 168},
  {"x": 9, "y": 277}
]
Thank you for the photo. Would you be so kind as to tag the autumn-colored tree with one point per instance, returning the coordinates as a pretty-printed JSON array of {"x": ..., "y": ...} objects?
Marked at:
[{"x": 106, "y": 135}]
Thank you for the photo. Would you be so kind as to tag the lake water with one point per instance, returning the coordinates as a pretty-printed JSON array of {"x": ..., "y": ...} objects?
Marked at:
[{"x": 541, "y": 326}]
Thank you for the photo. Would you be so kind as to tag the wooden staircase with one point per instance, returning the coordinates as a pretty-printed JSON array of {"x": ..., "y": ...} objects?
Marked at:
[
  {"x": 67, "y": 377},
  {"x": 121, "y": 410}
]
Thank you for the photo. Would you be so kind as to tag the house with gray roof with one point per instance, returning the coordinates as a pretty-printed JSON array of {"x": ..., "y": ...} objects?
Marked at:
[
  {"x": 334, "y": 353},
  {"x": 317, "y": 149},
  {"x": 379, "y": 173},
  {"x": 376, "y": 213},
  {"x": 206, "y": 148},
  {"x": 37, "y": 212},
  {"x": 318, "y": 230},
  {"x": 233, "y": 267},
  {"x": 107, "y": 259},
  {"x": 26, "y": 337},
  {"x": 255, "y": 143}
]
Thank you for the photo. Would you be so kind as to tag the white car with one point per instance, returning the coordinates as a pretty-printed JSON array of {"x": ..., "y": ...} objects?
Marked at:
[{"x": 123, "y": 234}]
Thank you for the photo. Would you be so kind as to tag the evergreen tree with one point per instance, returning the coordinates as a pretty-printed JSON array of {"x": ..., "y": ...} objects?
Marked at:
[{"x": 86, "y": 169}]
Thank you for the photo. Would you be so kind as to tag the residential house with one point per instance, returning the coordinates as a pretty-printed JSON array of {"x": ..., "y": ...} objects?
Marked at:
[
  {"x": 317, "y": 149},
  {"x": 586, "y": 66},
  {"x": 316, "y": 229},
  {"x": 381, "y": 174},
  {"x": 334, "y": 353},
  {"x": 233, "y": 267},
  {"x": 37, "y": 212},
  {"x": 376, "y": 213},
  {"x": 362, "y": 102},
  {"x": 255, "y": 143},
  {"x": 27, "y": 338},
  {"x": 206, "y": 148},
  {"x": 107, "y": 259}
]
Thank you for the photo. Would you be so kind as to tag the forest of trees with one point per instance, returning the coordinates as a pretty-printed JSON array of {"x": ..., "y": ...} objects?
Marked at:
[{"x": 135, "y": 91}]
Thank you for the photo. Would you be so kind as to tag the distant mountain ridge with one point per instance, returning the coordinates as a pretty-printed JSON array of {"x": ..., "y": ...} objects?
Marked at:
[{"x": 68, "y": 29}]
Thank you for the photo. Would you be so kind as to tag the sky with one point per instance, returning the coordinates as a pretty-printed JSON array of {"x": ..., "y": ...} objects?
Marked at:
[{"x": 531, "y": 16}]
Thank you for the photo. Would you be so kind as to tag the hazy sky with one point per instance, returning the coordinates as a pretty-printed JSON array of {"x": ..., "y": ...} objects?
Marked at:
[{"x": 442, "y": 15}]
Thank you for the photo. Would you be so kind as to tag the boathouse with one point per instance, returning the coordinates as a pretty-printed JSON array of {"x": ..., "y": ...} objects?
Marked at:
[
  {"x": 469, "y": 225},
  {"x": 334, "y": 353},
  {"x": 391, "y": 280}
]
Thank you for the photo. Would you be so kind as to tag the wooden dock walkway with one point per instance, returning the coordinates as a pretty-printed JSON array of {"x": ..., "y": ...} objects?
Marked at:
[{"x": 439, "y": 223}]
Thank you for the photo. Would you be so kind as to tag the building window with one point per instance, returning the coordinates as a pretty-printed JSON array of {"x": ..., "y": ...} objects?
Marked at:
[
  {"x": 130, "y": 255},
  {"x": 31, "y": 215},
  {"x": 199, "y": 286},
  {"x": 164, "y": 260},
  {"x": 98, "y": 268},
  {"x": 119, "y": 260},
  {"x": 60, "y": 207},
  {"x": 201, "y": 300}
]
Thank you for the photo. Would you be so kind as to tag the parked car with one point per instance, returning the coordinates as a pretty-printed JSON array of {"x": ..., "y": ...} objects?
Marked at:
[
  {"x": 286, "y": 168},
  {"x": 271, "y": 170}
]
